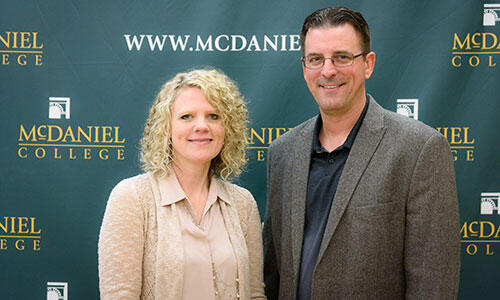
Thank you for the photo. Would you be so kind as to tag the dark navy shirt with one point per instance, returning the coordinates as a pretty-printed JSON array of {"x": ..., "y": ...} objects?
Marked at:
[{"x": 324, "y": 174}]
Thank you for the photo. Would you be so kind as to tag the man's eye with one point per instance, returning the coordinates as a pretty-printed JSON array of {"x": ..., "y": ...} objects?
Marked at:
[
  {"x": 342, "y": 57},
  {"x": 315, "y": 59}
]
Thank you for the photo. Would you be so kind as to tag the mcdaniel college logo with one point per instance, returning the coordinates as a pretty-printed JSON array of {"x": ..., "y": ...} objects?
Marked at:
[
  {"x": 21, "y": 48},
  {"x": 479, "y": 237},
  {"x": 19, "y": 234},
  {"x": 473, "y": 49},
  {"x": 69, "y": 142}
]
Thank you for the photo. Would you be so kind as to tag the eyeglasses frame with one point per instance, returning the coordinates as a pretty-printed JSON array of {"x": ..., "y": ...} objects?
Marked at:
[{"x": 333, "y": 62}]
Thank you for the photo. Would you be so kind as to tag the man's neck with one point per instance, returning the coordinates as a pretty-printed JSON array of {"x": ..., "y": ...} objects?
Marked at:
[{"x": 337, "y": 126}]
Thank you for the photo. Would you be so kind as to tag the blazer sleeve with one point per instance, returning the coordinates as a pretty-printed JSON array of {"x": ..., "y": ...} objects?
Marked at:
[
  {"x": 121, "y": 243},
  {"x": 253, "y": 237},
  {"x": 432, "y": 243},
  {"x": 271, "y": 267}
]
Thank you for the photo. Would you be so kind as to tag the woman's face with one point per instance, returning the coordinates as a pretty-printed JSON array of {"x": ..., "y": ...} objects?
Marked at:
[{"x": 197, "y": 129}]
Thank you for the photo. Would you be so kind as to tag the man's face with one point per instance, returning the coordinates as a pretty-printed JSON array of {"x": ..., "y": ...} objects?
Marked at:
[{"x": 337, "y": 90}]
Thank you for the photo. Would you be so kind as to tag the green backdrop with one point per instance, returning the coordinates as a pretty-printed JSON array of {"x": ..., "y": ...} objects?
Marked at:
[{"x": 77, "y": 79}]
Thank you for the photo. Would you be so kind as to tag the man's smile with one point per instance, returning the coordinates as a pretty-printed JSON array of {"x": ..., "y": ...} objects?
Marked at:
[{"x": 331, "y": 86}]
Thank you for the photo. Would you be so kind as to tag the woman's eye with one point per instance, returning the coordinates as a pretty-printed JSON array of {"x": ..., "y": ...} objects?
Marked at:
[
  {"x": 214, "y": 116},
  {"x": 185, "y": 117}
]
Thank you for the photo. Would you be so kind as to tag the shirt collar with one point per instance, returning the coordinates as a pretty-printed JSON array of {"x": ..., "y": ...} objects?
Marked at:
[
  {"x": 316, "y": 145},
  {"x": 171, "y": 191}
]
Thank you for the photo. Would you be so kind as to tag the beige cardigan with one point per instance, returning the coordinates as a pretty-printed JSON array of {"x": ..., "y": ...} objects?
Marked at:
[{"x": 140, "y": 244}]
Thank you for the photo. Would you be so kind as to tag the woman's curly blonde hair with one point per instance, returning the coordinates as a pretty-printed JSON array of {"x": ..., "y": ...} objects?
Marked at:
[{"x": 222, "y": 93}]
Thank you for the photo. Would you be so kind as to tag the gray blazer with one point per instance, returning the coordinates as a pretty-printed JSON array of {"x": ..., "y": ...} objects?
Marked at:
[{"x": 393, "y": 228}]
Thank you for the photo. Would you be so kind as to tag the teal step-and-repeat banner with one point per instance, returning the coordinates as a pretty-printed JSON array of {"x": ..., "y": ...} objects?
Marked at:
[{"x": 77, "y": 79}]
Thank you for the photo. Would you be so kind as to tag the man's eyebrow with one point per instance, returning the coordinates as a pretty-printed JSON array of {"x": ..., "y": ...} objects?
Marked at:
[
  {"x": 334, "y": 53},
  {"x": 314, "y": 54},
  {"x": 342, "y": 52}
]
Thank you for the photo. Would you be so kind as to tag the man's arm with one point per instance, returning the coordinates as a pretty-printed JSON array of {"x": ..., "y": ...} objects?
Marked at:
[
  {"x": 432, "y": 241},
  {"x": 271, "y": 267}
]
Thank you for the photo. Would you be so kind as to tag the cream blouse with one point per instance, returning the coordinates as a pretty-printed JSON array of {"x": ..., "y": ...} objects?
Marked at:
[{"x": 210, "y": 268}]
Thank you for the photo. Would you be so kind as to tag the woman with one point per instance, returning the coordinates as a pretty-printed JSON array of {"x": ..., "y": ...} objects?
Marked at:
[{"x": 181, "y": 231}]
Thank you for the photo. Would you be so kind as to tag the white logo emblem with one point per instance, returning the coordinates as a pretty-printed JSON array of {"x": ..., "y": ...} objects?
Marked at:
[
  {"x": 59, "y": 106},
  {"x": 408, "y": 107},
  {"x": 489, "y": 203},
  {"x": 57, "y": 291},
  {"x": 490, "y": 14}
]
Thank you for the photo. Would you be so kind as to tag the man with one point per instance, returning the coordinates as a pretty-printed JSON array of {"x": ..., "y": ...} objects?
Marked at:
[{"x": 362, "y": 202}]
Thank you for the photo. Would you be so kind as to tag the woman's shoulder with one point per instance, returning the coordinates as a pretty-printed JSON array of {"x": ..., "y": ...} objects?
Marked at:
[
  {"x": 236, "y": 191},
  {"x": 133, "y": 188},
  {"x": 244, "y": 203},
  {"x": 133, "y": 183},
  {"x": 139, "y": 179},
  {"x": 239, "y": 196}
]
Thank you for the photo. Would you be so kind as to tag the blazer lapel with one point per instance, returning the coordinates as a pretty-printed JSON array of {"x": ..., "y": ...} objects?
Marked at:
[
  {"x": 367, "y": 140},
  {"x": 300, "y": 174}
]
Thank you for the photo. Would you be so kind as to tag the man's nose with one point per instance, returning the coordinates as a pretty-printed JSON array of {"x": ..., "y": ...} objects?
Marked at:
[{"x": 329, "y": 68}]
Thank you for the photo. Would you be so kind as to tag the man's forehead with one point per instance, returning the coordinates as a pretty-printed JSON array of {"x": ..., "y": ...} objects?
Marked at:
[
  {"x": 320, "y": 33},
  {"x": 347, "y": 28}
]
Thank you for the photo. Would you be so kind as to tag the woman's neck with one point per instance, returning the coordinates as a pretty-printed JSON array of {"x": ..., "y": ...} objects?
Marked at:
[{"x": 195, "y": 183}]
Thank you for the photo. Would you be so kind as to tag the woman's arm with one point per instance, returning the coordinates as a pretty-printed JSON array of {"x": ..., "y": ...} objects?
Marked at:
[
  {"x": 253, "y": 237},
  {"x": 121, "y": 244}
]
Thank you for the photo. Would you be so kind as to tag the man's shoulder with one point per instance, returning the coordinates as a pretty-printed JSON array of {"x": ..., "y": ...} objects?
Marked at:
[
  {"x": 303, "y": 129},
  {"x": 407, "y": 128}
]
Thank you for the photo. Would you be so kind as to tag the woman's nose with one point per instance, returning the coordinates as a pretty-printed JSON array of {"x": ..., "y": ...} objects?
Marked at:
[{"x": 201, "y": 124}]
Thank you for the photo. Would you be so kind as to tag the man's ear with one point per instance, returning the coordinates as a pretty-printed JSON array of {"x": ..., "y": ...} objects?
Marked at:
[{"x": 369, "y": 64}]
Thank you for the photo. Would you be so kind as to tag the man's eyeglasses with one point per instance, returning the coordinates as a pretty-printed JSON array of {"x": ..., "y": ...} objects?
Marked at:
[{"x": 315, "y": 61}]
